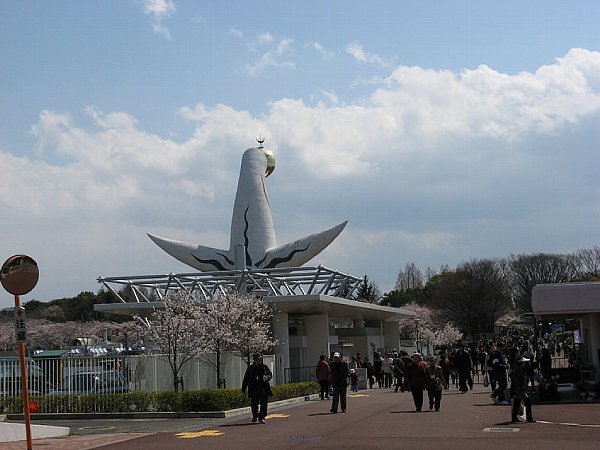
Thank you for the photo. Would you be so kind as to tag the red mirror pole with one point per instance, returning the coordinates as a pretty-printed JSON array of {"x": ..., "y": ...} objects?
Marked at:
[{"x": 24, "y": 385}]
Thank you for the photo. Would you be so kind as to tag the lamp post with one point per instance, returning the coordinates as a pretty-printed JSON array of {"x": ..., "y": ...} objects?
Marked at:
[{"x": 417, "y": 320}]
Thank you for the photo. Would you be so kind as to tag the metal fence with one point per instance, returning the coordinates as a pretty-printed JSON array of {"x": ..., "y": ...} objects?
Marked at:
[
  {"x": 80, "y": 375},
  {"x": 299, "y": 374}
]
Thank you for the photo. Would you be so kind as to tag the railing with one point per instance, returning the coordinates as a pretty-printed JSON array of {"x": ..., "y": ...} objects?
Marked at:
[
  {"x": 299, "y": 374},
  {"x": 61, "y": 384}
]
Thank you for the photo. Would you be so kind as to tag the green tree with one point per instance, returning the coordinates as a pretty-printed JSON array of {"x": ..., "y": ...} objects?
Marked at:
[
  {"x": 526, "y": 271},
  {"x": 397, "y": 298},
  {"x": 367, "y": 291},
  {"x": 473, "y": 297}
]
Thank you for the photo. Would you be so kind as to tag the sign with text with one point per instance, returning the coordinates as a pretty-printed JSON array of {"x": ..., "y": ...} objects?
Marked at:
[{"x": 20, "y": 326}]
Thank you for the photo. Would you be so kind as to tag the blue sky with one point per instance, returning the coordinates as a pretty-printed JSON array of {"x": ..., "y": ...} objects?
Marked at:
[{"x": 443, "y": 131}]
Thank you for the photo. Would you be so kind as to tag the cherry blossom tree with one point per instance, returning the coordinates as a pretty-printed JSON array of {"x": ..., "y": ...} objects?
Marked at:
[
  {"x": 235, "y": 323},
  {"x": 176, "y": 333},
  {"x": 432, "y": 330},
  {"x": 253, "y": 327},
  {"x": 7, "y": 336}
]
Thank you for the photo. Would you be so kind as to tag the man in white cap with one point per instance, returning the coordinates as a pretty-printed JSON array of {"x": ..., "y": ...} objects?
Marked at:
[
  {"x": 339, "y": 382},
  {"x": 518, "y": 391}
]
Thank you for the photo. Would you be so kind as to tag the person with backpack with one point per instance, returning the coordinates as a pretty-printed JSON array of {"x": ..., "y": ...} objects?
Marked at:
[{"x": 398, "y": 372}]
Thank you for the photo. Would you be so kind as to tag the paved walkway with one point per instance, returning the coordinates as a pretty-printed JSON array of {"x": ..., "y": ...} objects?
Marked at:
[{"x": 376, "y": 419}]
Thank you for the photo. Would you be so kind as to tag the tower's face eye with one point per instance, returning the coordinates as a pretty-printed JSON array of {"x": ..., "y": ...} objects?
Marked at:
[{"x": 270, "y": 162}]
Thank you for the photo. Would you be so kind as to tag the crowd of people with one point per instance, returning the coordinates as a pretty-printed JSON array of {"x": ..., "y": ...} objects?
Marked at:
[{"x": 518, "y": 358}]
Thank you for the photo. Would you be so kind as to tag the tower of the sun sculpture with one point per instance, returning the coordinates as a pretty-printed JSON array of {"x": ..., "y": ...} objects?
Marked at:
[{"x": 251, "y": 227}]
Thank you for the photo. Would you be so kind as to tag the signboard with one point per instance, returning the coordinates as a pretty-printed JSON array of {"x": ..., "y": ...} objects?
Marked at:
[
  {"x": 576, "y": 337},
  {"x": 20, "y": 328}
]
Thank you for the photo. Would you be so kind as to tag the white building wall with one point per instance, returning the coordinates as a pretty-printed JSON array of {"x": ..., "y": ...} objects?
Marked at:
[
  {"x": 316, "y": 328},
  {"x": 281, "y": 332},
  {"x": 391, "y": 335}
]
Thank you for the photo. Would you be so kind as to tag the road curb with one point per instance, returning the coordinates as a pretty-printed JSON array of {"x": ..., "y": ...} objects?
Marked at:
[{"x": 158, "y": 415}]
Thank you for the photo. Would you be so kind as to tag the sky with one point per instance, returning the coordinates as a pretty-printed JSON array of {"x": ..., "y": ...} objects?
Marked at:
[{"x": 442, "y": 131}]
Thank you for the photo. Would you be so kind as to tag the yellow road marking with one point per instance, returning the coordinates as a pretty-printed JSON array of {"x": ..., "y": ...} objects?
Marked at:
[
  {"x": 197, "y": 434},
  {"x": 358, "y": 395},
  {"x": 277, "y": 416}
]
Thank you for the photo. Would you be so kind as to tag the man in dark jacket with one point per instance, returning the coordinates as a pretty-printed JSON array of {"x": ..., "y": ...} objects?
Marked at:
[
  {"x": 416, "y": 376},
  {"x": 463, "y": 364},
  {"x": 499, "y": 366},
  {"x": 256, "y": 380},
  {"x": 518, "y": 391},
  {"x": 398, "y": 372},
  {"x": 339, "y": 381}
]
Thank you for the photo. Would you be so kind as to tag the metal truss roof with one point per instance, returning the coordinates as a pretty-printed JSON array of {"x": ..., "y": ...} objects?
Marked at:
[{"x": 288, "y": 281}]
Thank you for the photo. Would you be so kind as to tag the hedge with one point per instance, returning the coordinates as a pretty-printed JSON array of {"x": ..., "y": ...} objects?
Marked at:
[{"x": 187, "y": 401}]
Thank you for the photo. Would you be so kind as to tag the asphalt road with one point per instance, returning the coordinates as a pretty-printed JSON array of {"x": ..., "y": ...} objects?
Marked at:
[{"x": 377, "y": 418}]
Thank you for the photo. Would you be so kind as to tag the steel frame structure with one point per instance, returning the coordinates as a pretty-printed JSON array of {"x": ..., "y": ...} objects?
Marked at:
[{"x": 275, "y": 282}]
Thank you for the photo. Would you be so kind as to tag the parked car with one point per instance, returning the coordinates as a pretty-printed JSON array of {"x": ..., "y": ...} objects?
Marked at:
[
  {"x": 10, "y": 377},
  {"x": 92, "y": 382}
]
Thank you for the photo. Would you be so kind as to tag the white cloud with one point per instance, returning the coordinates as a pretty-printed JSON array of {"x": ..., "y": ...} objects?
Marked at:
[
  {"x": 237, "y": 33},
  {"x": 356, "y": 50},
  {"x": 277, "y": 57},
  {"x": 265, "y": 38},
  {"x": 433, "y": 167},
  {"x": 325, "y": 53},
  {"x": 159, "y": 10}
]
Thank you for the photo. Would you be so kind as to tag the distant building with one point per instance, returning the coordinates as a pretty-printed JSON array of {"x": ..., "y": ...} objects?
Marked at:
[{"x": 573, "y": 301}]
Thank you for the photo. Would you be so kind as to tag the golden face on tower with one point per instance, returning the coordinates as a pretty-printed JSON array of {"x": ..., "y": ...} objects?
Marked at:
[{"x": 270, "y": 161}]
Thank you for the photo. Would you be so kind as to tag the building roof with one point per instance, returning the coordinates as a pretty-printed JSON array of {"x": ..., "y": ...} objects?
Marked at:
[
  {"x": 51, "y": 353},
  {"x": 566, "y": 298},
  {"x": 335, "y": 307}
]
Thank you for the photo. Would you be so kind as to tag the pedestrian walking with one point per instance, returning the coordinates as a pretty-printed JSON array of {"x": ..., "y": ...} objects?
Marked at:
[
  {"x": 369, "y": 368},
  {"x": 417, "y": 379},
  {"x": 445, "y": 365},
  {"x": 518, "y": 391},
  {"x": 339, "y": 380},
  {"x": 463, "y": 364},
  {"x": 499, "y": 367},
  {"x": 256, "y": 381},
  {"x": 398, "y": 373},
  {"x": 353, "y": 381},
  {"x": 323, "y": 375},
  {"x": 377, "y": 369},
  {"x": 435, "y": 384},
  {"x": 387, "y": 367}
]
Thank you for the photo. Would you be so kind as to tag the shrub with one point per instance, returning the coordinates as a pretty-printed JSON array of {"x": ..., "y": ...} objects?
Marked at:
[{"x": 187, "y": 401}]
